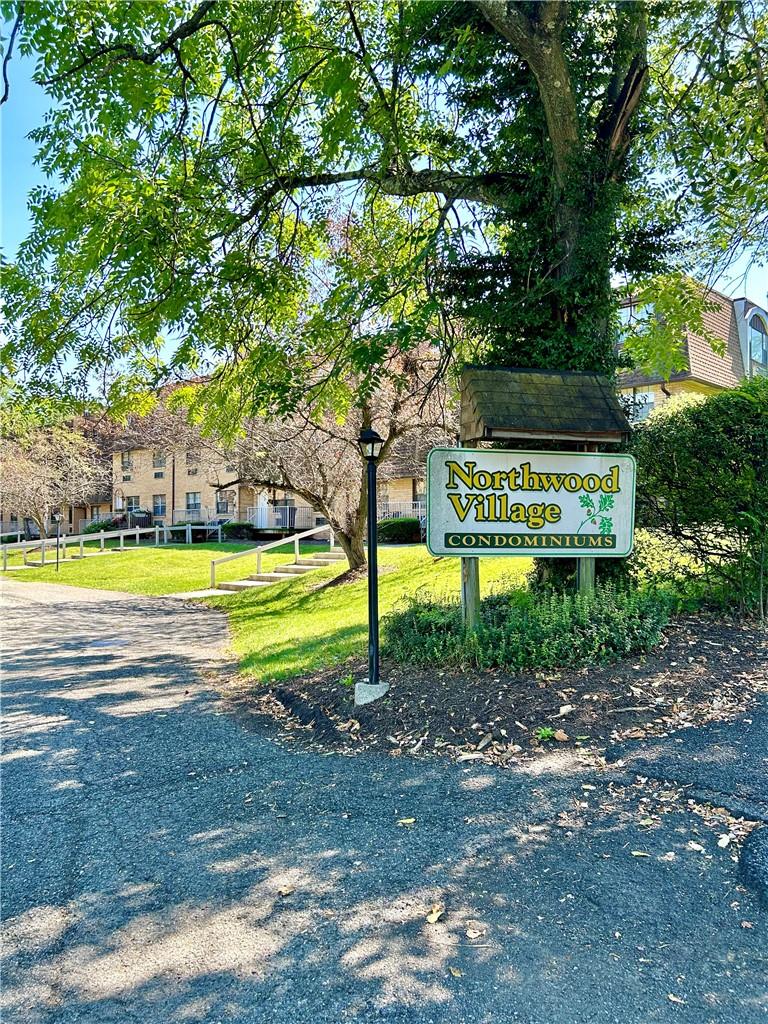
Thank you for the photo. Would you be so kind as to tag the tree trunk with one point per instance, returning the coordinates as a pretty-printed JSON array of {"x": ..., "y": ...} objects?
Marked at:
[{"x": 352, "y": 545}]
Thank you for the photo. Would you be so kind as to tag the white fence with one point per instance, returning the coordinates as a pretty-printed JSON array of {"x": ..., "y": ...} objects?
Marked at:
[
  {"x": 259, "y": 551},
  {"x": 203, "y": 513},
  {"x": 302, "y": 517},
  {"x": 283, "y": 517},
  {"x": 47, "y": 545},
  {"x": 401, "y": 509}
]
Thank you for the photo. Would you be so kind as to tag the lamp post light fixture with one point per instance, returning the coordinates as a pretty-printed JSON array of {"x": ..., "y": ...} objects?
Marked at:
[
  {"x": 57, "y": 518},
  {"x": 370, "y": 446}
]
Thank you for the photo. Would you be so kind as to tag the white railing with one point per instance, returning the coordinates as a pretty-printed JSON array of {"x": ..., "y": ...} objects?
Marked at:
[
  {"x": 401, "y": 509},
  {"x": 101, "y": 517},
  {"x": 282, "y": 517},
  {"x": 134, "y": 533},
  {"x": 204, "y": 514},
  {"x": 11, "y": 526},
  {"x": 281, "y": 542}
]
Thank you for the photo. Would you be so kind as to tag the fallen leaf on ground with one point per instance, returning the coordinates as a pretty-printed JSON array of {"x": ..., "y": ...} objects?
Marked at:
[
  {"x": 561, "y": 735},
  {"x": 475, "y": 933},
  {"x": 675, "y": 999},
  {"x": 723, "y": 841},
  {"x": 437, "y": 911},
  {"x": 667, "y": 856},
  {"x": 639, "y": 853},
  {"x": 406, "y": 821},
  {"x": 695, "y": 846},
  {"x": 471, "y": 756},
  {"x": 286, "y": 890},
  {"x": 455, "y": 971}
]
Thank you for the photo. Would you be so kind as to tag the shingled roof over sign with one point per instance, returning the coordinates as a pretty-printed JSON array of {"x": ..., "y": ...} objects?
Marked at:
[{"x": 498, "y": 403}]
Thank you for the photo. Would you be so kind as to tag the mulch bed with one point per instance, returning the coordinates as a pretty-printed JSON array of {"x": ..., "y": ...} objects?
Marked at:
[{"x": 704, "y": 670}]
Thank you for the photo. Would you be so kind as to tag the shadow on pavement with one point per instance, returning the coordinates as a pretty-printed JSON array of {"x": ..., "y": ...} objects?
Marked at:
[{"x": 164, "y": 864}]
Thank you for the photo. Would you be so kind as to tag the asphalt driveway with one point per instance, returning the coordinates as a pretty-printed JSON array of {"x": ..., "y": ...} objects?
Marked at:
[{"x": 164, "y": 862}]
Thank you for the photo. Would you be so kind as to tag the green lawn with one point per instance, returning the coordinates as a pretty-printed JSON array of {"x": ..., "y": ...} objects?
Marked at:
[
  {"x": 168, "y": 569},
  {"x": 295, "y": 627},
  {"x": 290, "y": 627}
]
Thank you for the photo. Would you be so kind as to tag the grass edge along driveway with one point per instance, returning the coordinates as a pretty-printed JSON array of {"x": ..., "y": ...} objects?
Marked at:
[
  {"x": 292, "y": 627},
  {"x": 298, "y": 626}
]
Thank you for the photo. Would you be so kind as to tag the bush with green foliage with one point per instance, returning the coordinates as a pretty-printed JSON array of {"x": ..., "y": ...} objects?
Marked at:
[
  {"x": 237, "y": 530},
  {"x": 104, "y": 526},
  {"x": 405, "y": 530},
  {"x": 703, "y": 484},
  {"x": 522, "y": 630}
]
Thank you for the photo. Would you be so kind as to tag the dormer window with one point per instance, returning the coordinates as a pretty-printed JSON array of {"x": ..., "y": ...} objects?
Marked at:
[
  {"x": 758, "y": 344},
  {"x": 633, "y": 316}
]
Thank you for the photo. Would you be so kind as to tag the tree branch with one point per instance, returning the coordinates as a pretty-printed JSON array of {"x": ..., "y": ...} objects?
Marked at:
[
  {"x": 627, "y": 83},
  {"x": 494, "y": 189},
  {"x": 127, "y": 51},
  {"x": 9, "y": 53},
  {"x": 539, "y": 44}
]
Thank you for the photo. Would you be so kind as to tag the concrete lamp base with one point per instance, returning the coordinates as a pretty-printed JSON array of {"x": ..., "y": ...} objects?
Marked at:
[{"x": 365, "y": 693}]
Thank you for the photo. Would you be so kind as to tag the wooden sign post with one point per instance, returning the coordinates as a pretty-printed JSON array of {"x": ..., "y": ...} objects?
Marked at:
[{"x": 520, "y": 408}]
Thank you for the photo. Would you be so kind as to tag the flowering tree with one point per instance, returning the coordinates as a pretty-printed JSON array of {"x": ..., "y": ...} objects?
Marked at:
[
  {"x": 314, "y": 453},
  {"x": 46, "y": 468}
]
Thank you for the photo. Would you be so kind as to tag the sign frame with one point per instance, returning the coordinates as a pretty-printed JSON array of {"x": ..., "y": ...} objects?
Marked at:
[{"x": 533, "y": 552}]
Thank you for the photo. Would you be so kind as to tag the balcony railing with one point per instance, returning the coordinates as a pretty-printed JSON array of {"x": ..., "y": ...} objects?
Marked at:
[
  {"x": 283, "y": 517},
  {"x": 221, "y": 512},
  {"x": 401, "y": 509}
]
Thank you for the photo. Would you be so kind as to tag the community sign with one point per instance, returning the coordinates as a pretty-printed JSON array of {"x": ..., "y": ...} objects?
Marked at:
[{"x": 548, "y": 504}]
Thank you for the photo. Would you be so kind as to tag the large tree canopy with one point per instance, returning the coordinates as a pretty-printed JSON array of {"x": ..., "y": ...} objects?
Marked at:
[{"x": 271, "y": 188}]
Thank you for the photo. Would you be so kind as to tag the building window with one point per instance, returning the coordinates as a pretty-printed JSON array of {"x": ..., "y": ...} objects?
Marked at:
[
  {"x": 158, "y": 504},
  {"x": 158, "y": 460},
  {"x": 631, "y": 317},
  {"x": 225, "y": 502},
  {"x": 642, "y": 405},
  {"x": 193, "y": 463},
  {"x": 419, "y": 490},
  {"x": 159, "y": 474},
  {"x": 758, "y": 342},
  {"x": 126, "y": 465},
  {"x": 132, "y": 503},
  {"x": 193, "y": 501}
]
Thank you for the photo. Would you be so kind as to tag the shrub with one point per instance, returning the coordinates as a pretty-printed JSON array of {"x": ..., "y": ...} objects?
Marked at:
[
  {"x": 521, "y": 630},
  {"x": 104, "y": 525},
  {"x": 235, "y": 530},
  {"x": 406, "y": 530},
  {"x": 703, "y": 483}
]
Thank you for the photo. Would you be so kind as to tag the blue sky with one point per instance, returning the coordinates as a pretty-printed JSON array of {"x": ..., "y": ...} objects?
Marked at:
[{"x": 27, "y": 106}]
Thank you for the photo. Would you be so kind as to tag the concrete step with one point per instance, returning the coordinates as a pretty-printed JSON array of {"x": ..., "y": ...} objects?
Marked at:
[
  {"x": 315, "y": 563},
  {"x": 243, "y": 584},
  {"x": 271, "y": 577},
  {"x": 294, "y": 569},
  {"x": 330, "y": 555}
]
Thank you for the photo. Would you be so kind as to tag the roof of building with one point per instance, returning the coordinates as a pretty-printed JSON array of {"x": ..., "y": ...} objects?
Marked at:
[
  {"x": 538, "y": 404},
  {"x": 703, "y": 364}
]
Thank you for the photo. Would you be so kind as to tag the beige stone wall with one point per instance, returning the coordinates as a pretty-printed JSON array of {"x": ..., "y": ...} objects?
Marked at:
[
  {"x": 401, "y": 489},
  {"x": 175, "y": 480},
  {"x": 204, "y": 478},
  {"x": 674, "y": 388}
]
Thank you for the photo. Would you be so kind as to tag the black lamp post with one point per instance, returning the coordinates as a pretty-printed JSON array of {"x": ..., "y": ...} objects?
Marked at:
[
  {"x": 371, "y": 445},
  {"x": 57, "y": 517}
]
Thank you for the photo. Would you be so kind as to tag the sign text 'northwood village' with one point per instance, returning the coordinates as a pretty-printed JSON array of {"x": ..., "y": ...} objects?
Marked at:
[{"x": 551, "y": 504}]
